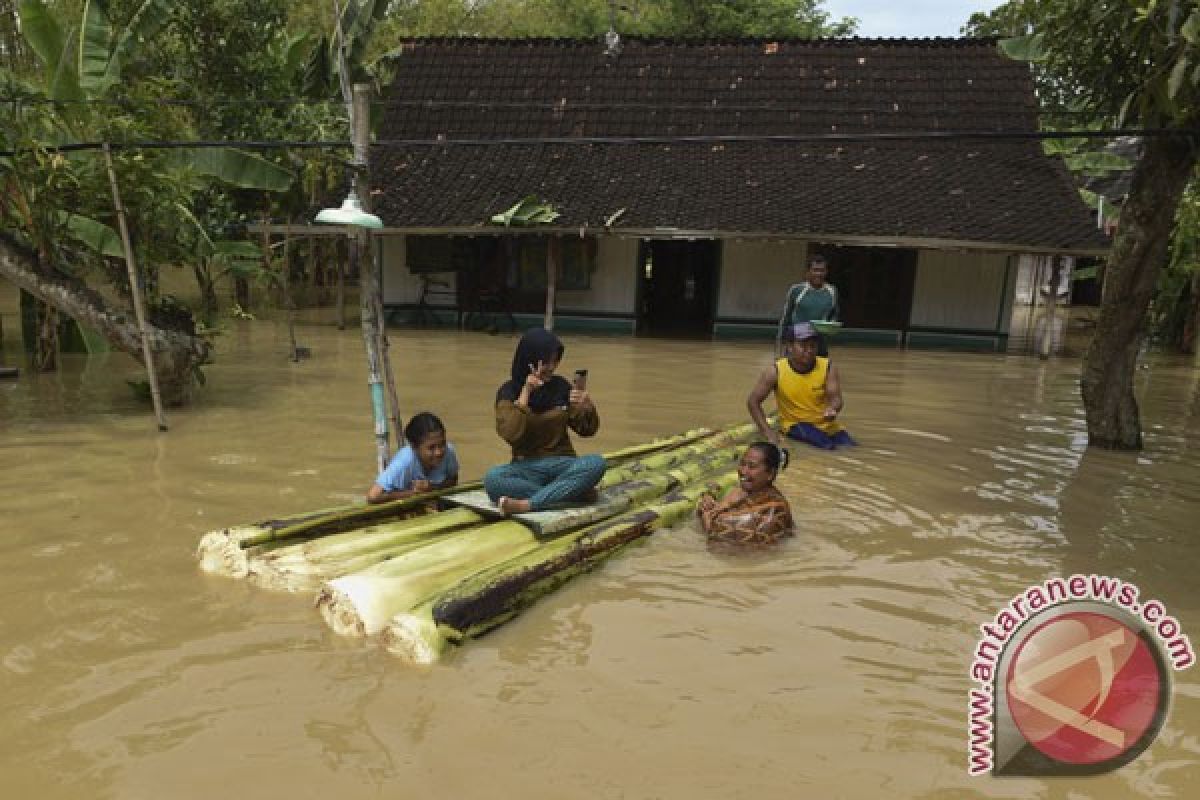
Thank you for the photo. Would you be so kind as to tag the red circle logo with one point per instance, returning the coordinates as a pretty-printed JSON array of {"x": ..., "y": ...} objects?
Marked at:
[{"x": 1084, "y": 688}]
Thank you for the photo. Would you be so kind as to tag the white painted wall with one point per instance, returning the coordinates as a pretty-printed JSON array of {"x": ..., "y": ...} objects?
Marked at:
[
  {"x": 958, "y": 289},
  {"x": 755, "y": 277},
  {"x": 614, "y": 283}
]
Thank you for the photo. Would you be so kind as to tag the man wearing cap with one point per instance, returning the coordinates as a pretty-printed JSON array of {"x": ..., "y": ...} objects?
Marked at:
[
  {"x": 807, "y": 393},
  {"x": 812, "y": 300}
]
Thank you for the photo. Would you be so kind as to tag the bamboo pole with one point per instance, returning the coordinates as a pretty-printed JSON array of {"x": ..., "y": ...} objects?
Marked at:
[
  {"x": 385, "y": 358},
  {"x": 135, "y": 290},
  {"x": 370, "y": 303}
]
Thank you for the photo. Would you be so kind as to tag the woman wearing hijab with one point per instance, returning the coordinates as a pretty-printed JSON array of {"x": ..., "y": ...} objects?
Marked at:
[{"x": 534, "y": 409}]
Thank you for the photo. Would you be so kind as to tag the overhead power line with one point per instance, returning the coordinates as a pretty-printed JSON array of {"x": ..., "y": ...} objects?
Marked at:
[
  {"x": 444, "y": 142},
  {"x": 557, "y": 107}
]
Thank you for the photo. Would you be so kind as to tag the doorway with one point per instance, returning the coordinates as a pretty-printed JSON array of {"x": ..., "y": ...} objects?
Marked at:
[
  {"x": 677, "y": 287},
  {"x": 875, "y": 284}
]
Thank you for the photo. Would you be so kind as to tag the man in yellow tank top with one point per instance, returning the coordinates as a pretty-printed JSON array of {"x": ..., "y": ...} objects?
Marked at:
[{"x": 807, "y": 393}]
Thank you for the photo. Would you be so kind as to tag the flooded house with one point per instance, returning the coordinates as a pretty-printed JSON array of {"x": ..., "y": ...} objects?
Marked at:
[{"x": 693, "y": 178}]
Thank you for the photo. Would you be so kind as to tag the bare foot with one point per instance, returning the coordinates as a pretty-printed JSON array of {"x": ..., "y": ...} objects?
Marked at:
[{"x": 513, "y": 505}]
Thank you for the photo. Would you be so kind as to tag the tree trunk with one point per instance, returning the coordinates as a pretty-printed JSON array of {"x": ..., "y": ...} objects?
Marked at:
[
  {"x": 176, "y": 354},
  {"x": 1138, "y": 254},
  {"x": 46, "y": 342},
  {"x": 241, "y": 293},
  {"x": 208, "y": 292}
]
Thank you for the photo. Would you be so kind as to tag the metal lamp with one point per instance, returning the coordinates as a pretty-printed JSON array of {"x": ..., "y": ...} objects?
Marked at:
[{"x": 351, "y": 213}]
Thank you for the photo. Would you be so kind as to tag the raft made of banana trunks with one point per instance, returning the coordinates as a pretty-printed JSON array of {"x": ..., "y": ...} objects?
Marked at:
[{"x": 422, "y": 579}]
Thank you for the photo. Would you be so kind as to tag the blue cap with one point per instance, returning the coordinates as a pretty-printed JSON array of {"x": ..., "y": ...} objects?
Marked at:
[{"x": 799, "y": 332}]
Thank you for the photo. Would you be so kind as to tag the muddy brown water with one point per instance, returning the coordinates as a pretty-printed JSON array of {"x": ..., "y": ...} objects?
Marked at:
[{"x": 834, "y": 667}]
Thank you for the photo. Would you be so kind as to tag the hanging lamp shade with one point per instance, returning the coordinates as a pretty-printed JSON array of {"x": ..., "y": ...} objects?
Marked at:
[{"x": 351, "y": 213}]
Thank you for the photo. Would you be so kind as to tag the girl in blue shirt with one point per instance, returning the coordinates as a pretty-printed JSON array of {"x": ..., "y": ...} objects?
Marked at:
[{"x": 427, "y": 462}]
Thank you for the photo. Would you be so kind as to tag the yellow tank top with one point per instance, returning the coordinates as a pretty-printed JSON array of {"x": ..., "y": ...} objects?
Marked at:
[{"x": 801, "y": 398}]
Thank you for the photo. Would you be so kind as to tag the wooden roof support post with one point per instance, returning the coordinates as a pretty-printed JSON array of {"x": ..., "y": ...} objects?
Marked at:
[
  {"x": 135, "y": 290},
  {"x": 553, "y": 258}
]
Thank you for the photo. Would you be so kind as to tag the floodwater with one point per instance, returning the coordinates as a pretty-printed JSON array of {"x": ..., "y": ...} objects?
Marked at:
[{"x": 834, "y": 667}]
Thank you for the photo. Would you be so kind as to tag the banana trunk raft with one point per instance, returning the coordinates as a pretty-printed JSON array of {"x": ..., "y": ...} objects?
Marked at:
[{"x": 424, "y": 579}]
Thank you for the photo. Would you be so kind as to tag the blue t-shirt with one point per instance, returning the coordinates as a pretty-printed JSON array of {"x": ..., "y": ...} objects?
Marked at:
[{"x": 405, "y": 468}]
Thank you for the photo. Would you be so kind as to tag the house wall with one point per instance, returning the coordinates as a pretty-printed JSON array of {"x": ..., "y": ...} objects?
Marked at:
[
  {"x": 959, "y": 291},
  {"x": 608, "y": 304},
  {"x": 960, "y": 298},
  {"x": 755, "y": 278},
  {"x": 614, "y": 283}
]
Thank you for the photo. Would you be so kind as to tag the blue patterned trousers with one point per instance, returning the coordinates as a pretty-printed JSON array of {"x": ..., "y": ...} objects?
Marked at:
[{"x": 545, "y": 481}]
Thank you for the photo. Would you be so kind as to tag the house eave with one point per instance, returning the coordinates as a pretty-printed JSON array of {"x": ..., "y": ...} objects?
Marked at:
[{"x": 915, "y": 242}]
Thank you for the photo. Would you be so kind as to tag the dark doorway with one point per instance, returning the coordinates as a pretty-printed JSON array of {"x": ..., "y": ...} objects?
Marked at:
[
  {"x": 677, "y": 287},
  {"x": 875, "y": 284}
]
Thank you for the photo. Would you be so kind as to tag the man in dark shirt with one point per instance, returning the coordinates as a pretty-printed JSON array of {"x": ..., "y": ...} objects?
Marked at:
[{"x": 814, "y": 300}]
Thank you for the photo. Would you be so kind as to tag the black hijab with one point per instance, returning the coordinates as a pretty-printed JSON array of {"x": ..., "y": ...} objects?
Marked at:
[{"x": 538, "y": 344}]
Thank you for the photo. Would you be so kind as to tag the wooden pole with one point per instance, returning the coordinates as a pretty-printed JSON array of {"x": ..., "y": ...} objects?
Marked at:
[
  {"x": 553, "y": 257},
  {"x": 370, "y": 300},
  {"x": 311, "y": 268},
  {"x": 389, "y": 376},
  {"x": 135, "y": 290},
  {"x": 285, "y": 280}
]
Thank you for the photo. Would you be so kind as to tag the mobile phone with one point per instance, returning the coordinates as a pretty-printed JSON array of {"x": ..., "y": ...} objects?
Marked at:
[{"x": 580, "y": 379}]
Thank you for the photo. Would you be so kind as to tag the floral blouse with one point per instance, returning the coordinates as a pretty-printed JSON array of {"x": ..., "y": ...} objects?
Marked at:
[{"x": 763, "y": 517}]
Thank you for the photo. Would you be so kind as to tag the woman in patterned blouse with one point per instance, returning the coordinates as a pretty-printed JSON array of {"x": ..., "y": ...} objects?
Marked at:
[{"x": 754, "y": 512}]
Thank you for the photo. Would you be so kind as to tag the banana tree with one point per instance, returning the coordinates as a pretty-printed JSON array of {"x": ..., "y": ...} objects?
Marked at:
[{"x": 58, "y": 198}]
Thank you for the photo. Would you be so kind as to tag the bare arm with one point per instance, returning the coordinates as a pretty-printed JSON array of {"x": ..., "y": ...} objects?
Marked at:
[
  {"x": 762, "y": 388},
  {"x": 833, "y": 393},
  {"x": 377, "y": 494}
]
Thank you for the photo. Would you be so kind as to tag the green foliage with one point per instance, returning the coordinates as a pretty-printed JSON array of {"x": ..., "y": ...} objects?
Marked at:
[
  {"x": 571, "y": 18},
  {"x": 232, "y": 167},
  {"x": 95, "y": 235},
  {"x": 529, "y": 211},
  {"x": 1174, "y": 301},
  {"x": 117, "y": 62},
  {"x": 1128, "y": 63},
  {"x": 803, "y": 18}
]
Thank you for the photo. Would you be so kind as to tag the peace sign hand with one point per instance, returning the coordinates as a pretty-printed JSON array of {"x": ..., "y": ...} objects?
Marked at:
[{"x": 532, "y": 380}]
